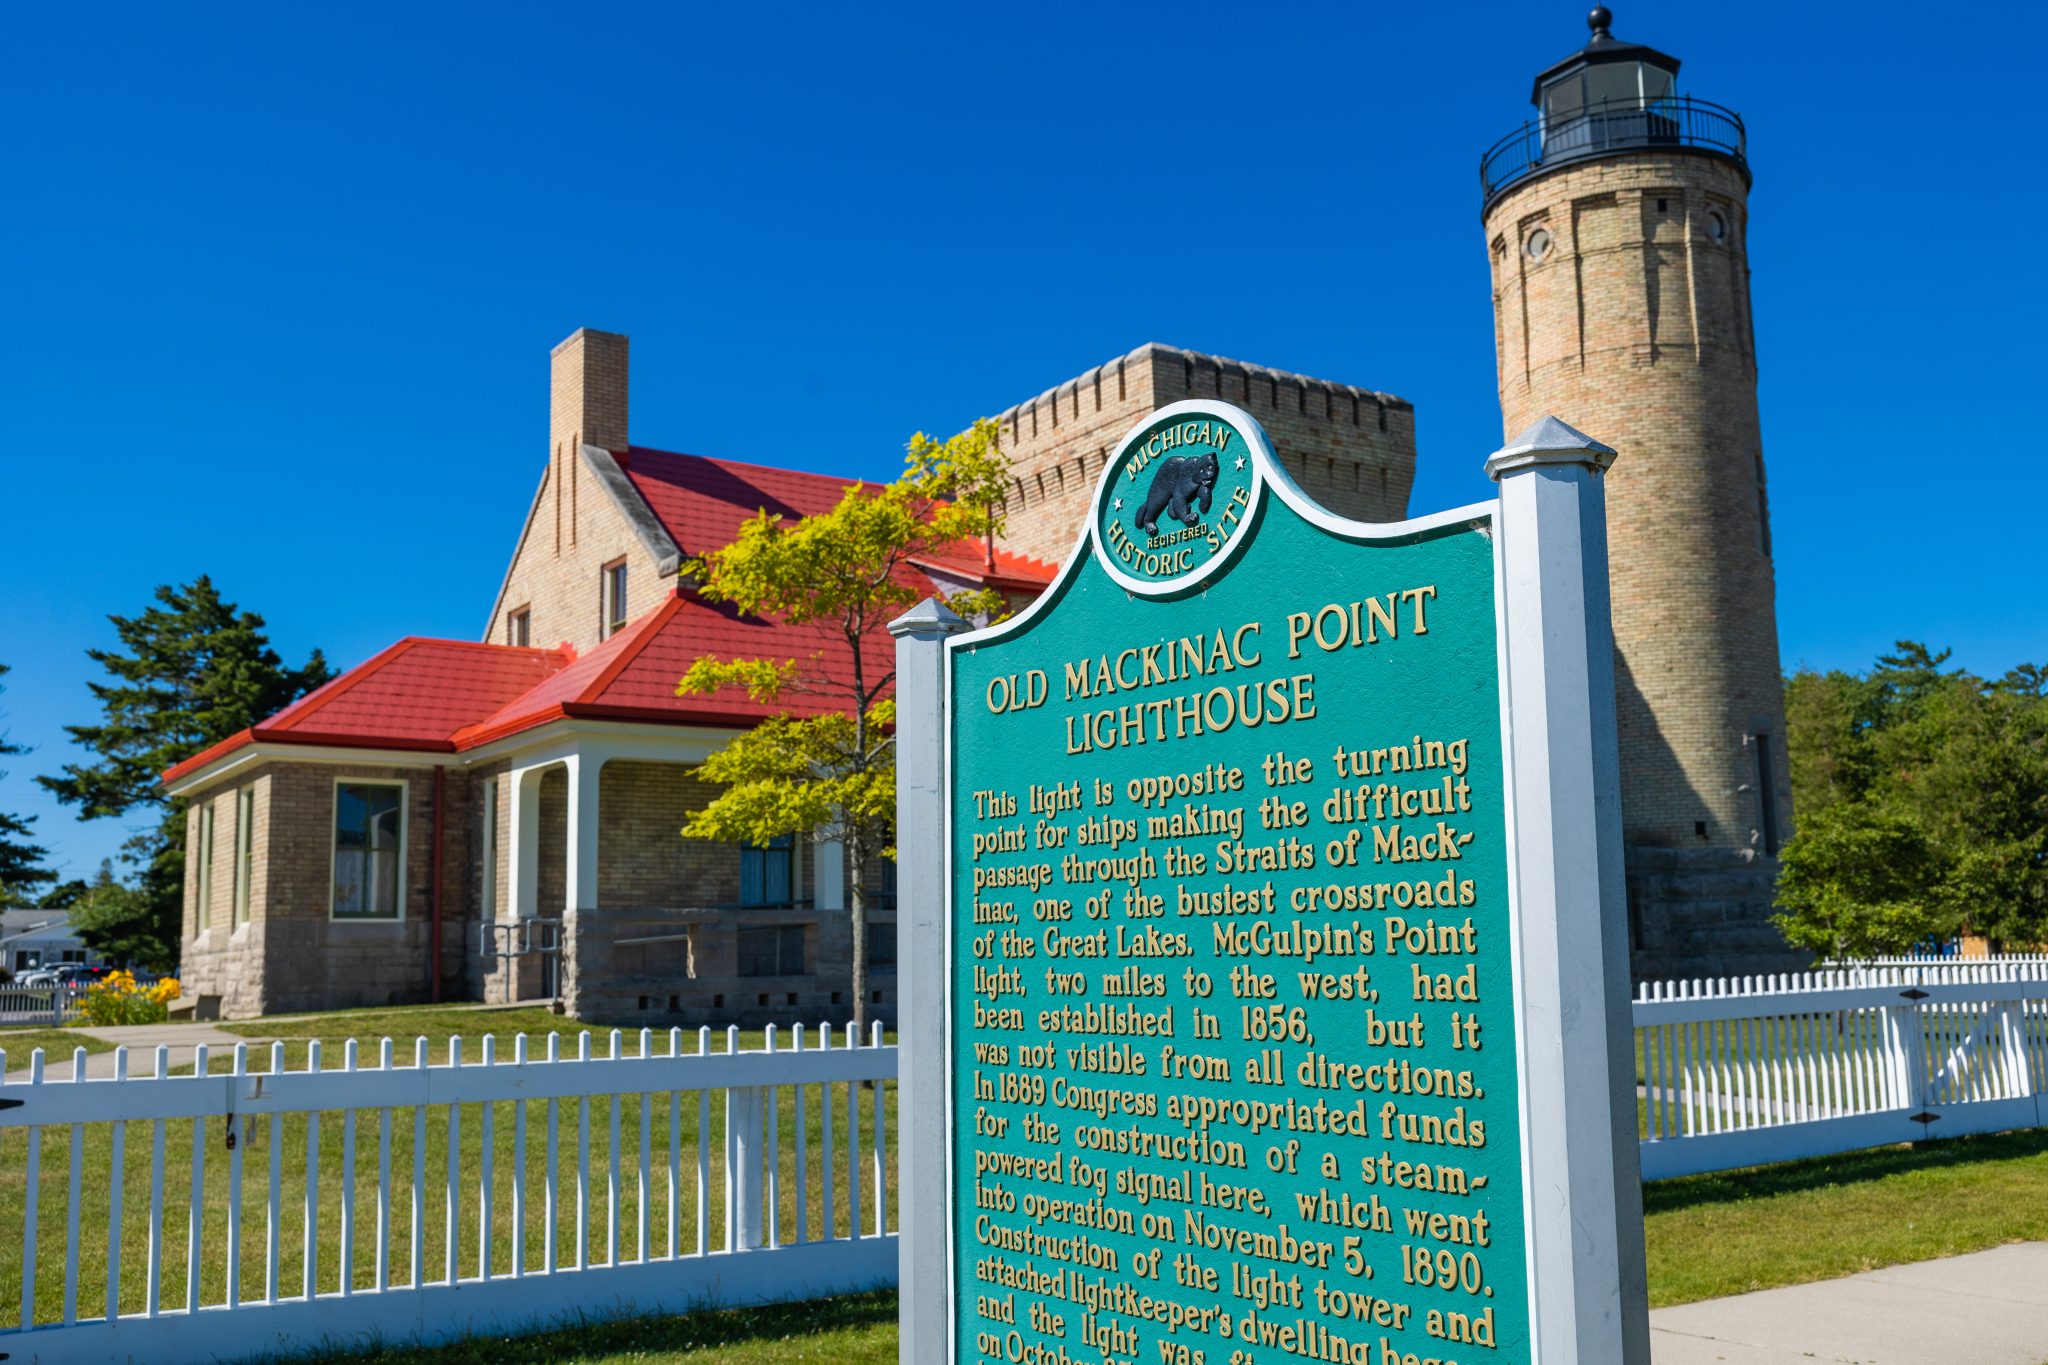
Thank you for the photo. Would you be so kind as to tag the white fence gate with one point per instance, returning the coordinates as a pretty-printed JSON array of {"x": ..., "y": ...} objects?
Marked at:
[
  {"x": 1762, "y": 1069},
  {"x": 267, "y": 1208}
]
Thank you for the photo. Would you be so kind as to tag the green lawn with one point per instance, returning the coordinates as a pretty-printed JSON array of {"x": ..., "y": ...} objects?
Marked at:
[
  {"x": 1735, "y": 1231},
  {"x": 57, "y": 1044},
  {"x": 691, "y": 1122}
]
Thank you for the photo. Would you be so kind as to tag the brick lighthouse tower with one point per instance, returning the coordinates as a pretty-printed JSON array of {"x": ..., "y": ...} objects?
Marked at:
[{"x": 1617, "y": 224}]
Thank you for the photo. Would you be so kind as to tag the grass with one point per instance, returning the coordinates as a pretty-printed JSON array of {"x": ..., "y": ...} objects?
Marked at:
[
  {"x": 57, "y": 1044},
  {"x": 1737, "y": 1231},
  {"x": 692, "y": 1120}
]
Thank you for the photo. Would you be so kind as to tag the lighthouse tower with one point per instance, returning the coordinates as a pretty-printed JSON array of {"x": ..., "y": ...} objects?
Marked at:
[{"x": 1617, "y": 223}]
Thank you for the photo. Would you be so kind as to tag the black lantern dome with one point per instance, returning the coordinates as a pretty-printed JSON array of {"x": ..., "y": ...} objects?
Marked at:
[{"x": 1609, "y": 96}]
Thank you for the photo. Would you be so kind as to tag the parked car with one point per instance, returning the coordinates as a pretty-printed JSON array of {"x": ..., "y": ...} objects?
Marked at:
[{"x": 61, "y": 974}]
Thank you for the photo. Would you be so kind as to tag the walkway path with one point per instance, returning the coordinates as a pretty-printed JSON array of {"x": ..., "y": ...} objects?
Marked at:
[
  {"x": 1987, "y": 1308},
  {"x": 141, "y": 1040}
]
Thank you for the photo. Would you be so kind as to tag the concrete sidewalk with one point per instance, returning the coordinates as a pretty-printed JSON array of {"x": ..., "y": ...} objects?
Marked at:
[
  {"x": 142, "y": 1041},
  {"x": 1987, "y": 1308}
]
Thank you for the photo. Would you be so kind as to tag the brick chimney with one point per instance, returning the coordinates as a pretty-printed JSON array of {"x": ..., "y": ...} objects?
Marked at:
[{"x": 587, "y": 394}]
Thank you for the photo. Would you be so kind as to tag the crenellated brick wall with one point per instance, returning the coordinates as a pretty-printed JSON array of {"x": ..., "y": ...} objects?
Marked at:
[{"x": 1351, "y": 449}]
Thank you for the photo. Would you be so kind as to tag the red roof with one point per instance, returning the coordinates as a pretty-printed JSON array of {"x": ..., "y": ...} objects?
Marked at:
[
  {"x": 451, "y": 695},
  {"x": 415, "y": 695},
  {"x": 701, "y": 502}
]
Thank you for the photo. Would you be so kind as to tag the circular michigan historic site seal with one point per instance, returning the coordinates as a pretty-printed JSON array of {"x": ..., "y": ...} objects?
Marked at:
[{"x": 1178, "y": 496}]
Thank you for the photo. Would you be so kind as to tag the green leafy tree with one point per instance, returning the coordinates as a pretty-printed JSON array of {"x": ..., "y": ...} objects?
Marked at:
[
  {"x": 832, "y": 774},
  {"x": 192, "y": 670},
  {"x": 118, "y": 922},
  {"x": 1923, "y": 800},
  {"x": 22, "y": 863}
]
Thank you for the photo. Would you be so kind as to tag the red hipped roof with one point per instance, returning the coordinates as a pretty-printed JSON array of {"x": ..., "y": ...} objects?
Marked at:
[{"x": 447, "y": 696}]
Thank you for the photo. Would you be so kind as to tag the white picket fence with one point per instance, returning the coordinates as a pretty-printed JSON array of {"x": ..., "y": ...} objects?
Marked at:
[
  {"x": 1739, "y": 1072},
  {"x": 391, "y": 1202},
  {"x": 39, "y": 1004}
]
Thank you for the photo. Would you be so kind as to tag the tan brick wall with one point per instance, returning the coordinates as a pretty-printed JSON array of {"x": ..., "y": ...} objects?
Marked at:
[
  {"x": 587, "y": 391},
  {"x": 292, "y": 954},
  {"x": 1635, "y": 328},
  {"x": 1351, "y": 449}
]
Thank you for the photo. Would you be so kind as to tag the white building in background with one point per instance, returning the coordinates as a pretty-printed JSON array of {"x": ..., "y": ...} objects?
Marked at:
[{"x": 39, "y": 938}]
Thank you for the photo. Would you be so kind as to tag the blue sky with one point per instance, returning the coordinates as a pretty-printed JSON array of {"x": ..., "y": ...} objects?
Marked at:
[{"x": 282, "y": 280}]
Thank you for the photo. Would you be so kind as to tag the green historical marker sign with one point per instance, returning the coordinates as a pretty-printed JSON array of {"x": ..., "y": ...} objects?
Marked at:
[{"x": 1252, "y": 1050}]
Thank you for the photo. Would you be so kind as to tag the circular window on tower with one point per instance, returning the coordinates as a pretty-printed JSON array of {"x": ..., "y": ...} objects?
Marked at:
[
  {"x": 1538, "y": 244},
  {"x": 1717, "y": 225}
]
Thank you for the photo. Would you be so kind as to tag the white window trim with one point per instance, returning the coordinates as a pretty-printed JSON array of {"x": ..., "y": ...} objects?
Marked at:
[
  {"x": 404, "y": 844},
  {"x": 612, "y": 604},
  {"x": 488, "y": 899},
  {"x": 203, "y": 910},
  {"x": 245, "y": 856}
]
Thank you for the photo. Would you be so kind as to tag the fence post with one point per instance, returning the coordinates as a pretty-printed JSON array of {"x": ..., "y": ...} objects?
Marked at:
[
  {"x": 1907, "y": 1049},
  {"x": 745, "y": 1118},
  {"x": 922, "y": 1177},
  {"x": 2012, "y": 1046}
]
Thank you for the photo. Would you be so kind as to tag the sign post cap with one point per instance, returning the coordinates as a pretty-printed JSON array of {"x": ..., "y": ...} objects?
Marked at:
[
  {"x": 927, "y": 620},
  {"x": 1548, "y": 441}
]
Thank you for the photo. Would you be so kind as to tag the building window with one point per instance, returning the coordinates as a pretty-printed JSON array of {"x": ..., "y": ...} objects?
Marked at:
[
  {"x": 614, "y": 599},
  {"x": 519, "y": 627},
  {"x": 772, "y": 952},
  {"x": 245, "y": 850},
  {"x": 882, "y": 944},
  {"x": 765, "y": 872},
  {"x": 1717, "y": 226},
  {"x": 369, "y": 850},
  {"x": 1538, "y": 244},
  {"x": 205, "y": 910},
  {"x": 1767, "y": 793},
  {"x": 880, "y": 885},
  {"x": 487, "y": 897}
]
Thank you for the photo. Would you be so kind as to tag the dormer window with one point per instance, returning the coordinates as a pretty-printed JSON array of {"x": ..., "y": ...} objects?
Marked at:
[
  {"x": 519, "y": 627},
  {"x": 613, "y": 594}
]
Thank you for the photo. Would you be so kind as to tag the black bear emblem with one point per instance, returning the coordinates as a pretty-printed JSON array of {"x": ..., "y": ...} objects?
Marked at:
[{"x": 1181, "y": 483}]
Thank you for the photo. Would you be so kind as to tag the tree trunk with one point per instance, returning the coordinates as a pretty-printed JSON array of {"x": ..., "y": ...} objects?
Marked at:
[{"x": 857, "y": 850}]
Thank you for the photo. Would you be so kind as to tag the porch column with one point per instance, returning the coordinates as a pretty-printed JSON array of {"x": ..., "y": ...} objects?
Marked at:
[
  {"x": 580, "y": 881},
  {"x": 829, "y": 889},
  {"x": 522, "y": 868}
]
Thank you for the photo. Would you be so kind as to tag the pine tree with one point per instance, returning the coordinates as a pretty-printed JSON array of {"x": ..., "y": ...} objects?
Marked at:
[
  {"x": 22, "y": 868},
  {"x": 192, "y": 670}
]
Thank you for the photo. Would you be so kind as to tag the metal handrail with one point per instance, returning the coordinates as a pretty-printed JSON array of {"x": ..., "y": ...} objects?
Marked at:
[
  {"x": 1610, "y": 126},
  {"x": 519, "y": 937}
]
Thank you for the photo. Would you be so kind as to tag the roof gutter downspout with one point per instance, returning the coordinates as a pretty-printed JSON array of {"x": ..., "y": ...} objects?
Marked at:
[{"x": 434, "y": 896}]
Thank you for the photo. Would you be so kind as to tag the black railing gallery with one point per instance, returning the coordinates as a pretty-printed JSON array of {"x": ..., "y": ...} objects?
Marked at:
[{"x": 1674, "y": 121}]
